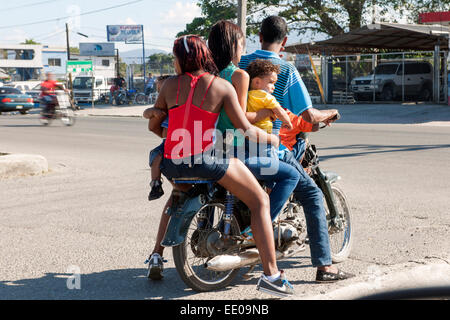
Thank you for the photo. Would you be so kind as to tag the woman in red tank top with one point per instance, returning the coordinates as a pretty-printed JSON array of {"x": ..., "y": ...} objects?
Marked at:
[{"x": 193, "y": 100}]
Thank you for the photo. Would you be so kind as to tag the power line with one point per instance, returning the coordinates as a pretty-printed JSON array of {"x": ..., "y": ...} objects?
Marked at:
[
  {"x": 71, "y": 16},
  {"x": 33, "y": 4}
]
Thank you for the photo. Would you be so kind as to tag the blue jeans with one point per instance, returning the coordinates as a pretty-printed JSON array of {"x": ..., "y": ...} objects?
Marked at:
[
  {"x": 274, "y": 171},
  {"x": 311, "y": 198}
]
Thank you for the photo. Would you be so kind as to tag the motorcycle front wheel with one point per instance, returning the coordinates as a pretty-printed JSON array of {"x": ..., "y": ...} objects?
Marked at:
[
  {"x": 68, "y": 117},
  {"x": 341, "y": 239},
  {"x": 191, "y": 256}
]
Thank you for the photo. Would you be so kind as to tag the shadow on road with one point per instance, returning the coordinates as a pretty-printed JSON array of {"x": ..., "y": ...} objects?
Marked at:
[
  {"x": 23, "y": 126},
  {"x": 390, "y": 113},
  {"x": 375, "y": 149},
  {"x": 123, "y": 284}
]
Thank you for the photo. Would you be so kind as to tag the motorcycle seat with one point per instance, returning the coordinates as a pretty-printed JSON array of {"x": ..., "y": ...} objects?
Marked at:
[{"x": 192, "y": 180}]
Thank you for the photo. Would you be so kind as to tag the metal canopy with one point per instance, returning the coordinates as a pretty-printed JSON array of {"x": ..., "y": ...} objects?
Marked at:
[{"x": 387, "y": 36}]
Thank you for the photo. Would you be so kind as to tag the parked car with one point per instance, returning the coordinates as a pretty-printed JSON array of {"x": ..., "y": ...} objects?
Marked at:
[
  {"x": 24, "y": 86},
  {"x": 387, "y": 79},
  {"x": 30, "y": 87},
  {"x": 35, "y": 93},
  {"x": 11, "y": 99}
]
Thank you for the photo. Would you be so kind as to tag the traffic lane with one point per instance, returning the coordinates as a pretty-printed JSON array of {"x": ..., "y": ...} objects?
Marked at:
[
  {"x": 99, "y": 220},
  {"x": 396, "y": 178}
]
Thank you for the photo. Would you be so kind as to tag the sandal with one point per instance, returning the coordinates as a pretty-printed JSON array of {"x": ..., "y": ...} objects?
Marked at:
[{"x": 327, "y": 277}]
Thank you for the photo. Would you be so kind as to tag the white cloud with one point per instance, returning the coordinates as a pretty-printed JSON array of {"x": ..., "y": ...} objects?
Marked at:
[
  {"x": 180, "y": 14},
  {"x": 14, "y": 36},
  {"x": 128, "y": 20}
]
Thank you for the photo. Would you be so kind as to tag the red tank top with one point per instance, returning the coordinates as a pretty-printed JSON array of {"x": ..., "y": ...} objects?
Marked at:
[{"x": 191, "y": 129}]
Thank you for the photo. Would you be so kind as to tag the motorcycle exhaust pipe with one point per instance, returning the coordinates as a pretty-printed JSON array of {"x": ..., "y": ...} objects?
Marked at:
[{"x": 250, "y": 257}]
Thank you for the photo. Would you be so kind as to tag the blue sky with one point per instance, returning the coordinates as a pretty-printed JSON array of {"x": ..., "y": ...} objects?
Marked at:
[{"x": 162, "y": 20}]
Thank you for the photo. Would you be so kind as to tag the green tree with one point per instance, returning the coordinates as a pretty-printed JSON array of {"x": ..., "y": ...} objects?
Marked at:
[
  {"x": 29, "y": 41},
  {"x": 330, "y": 17},
  {"x": 160, "y": 63},
  {"x": 74, "y": 50}
]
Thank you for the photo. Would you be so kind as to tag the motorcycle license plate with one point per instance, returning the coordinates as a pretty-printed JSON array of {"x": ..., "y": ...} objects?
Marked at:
[{"x": 19, "y": 107}]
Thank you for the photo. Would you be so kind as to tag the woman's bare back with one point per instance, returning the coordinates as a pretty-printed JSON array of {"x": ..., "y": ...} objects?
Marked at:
[{"x": 212, "y": 98}]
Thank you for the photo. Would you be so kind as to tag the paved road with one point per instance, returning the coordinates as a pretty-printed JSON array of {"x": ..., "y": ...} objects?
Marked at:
[{"x": 91, "y": 210}]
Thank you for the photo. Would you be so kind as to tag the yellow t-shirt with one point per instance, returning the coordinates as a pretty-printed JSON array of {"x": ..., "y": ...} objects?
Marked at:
[{"x": 260, "y": 99}]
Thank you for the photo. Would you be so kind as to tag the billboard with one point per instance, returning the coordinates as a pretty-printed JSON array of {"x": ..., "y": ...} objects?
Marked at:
[
  {"x": 125, "y": 33},
  {"x": 104, "y": 49},
  {"x": 76, "y": 66}
]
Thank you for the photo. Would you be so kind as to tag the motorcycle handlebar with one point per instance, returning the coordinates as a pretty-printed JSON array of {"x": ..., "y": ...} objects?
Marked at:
[{"x": 335, "y": 118}]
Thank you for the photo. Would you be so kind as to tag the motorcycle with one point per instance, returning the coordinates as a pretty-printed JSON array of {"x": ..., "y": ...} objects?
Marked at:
[
  {"x": 206, "y": 224},
  {"x": 57, "y": 106},
  {"x": 125, "y": 96}
]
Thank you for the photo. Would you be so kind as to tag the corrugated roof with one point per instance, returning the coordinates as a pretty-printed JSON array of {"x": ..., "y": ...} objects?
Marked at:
[{"x": 389, "y": 36}]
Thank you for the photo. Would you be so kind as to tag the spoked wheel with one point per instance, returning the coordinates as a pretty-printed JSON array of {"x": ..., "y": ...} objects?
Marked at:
[
  {"x": 341, "y": 235},
  {"x": 202, "y": 243},
  {"x": 68, "y": 117},
  {"x": 141, "y": 98}
]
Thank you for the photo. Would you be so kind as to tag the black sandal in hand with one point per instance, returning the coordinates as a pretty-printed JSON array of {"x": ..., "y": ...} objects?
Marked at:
[{"x": 323, "y": 276}]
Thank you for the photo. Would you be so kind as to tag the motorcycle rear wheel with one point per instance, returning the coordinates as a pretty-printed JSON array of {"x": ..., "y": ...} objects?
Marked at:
[
  {"x": 141, "y": 99},
  {"x": 45, "y": 119},
  {"x": 191, "y": 265},
  {"x": 341, "y": 240}
]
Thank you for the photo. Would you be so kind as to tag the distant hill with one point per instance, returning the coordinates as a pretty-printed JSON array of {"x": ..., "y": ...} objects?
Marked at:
[{"x": 135, "y": 56}]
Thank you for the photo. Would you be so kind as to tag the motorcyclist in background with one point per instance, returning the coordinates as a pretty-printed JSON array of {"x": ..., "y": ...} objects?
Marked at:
[{"x": 48, "y": 96}]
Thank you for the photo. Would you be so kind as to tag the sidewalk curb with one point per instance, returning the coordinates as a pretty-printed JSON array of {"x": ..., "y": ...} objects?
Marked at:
[
  {"x": 20, "y": 165},
  {"x": 432, "y": 275}
]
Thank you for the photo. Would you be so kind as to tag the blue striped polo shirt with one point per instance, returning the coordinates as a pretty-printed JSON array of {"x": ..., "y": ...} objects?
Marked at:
[{"x": 290, "y": 90}]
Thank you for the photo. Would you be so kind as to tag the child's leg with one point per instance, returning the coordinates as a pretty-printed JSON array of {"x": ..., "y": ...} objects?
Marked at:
[
  {"x": 156, "y": 155},
  {"x": 155, "y": 168}
]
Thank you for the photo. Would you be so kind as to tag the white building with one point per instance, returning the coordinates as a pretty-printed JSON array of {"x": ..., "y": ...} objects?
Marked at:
[
  {"x": 54, "y": 60},
  {"x": 102, "y": 66},
  {"x": 21, "y": 61}
]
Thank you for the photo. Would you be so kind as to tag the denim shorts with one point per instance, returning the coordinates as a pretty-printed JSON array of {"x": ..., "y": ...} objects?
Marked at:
[
  {"x": 204, "y": 165},
  {"x": 158, "y": 151}
]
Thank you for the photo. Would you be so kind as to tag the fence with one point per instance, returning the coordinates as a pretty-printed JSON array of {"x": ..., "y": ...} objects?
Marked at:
[{"x": 382, "y": 77}]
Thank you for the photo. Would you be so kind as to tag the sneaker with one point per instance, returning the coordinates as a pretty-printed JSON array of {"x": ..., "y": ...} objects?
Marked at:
[
  {"x": 157, "y": 191},
  {"x": 155, "y": 267},
  {"x": 280, "y": 287}
]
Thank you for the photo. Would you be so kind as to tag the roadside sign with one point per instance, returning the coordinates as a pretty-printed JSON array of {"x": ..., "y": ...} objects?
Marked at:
[
  {"x": 125, "y": 33},
  {"x": 79, "y": 66},
  {"x": 97, "y": 49}
]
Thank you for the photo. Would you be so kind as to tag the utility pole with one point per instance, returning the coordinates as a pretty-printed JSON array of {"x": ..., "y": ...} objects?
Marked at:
[
  {"x": 242, "y": 15},
  {"x": 143, "y": 53},
  {"x": 68, "y": 59},
  {"x": 374, "y": 11},
  {"x": 117, "y": 63},
  {"x": 67, "y": 42}
]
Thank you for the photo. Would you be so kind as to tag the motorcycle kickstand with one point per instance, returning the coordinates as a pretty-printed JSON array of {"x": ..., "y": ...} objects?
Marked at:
[{"x": 246, "y": 275}]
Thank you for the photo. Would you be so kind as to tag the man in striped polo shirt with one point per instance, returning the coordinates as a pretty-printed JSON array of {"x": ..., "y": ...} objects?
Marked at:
[{"x": 292, "y": 94}]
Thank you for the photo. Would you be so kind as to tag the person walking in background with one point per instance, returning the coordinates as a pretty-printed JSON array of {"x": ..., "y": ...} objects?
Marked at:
[{"x": 150, "y": 84}]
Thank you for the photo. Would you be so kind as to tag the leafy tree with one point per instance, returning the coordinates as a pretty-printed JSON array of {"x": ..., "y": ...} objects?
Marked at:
[
  {"x": 330, "y": 17},
  {"x": 29, "y": 41},
  {"x": 161, "y": 63},
  {"x": 74, "y": 50}
]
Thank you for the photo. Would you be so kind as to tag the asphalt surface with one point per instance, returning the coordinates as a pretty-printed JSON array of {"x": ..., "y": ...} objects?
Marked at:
[{"x": 90, "y": 212}]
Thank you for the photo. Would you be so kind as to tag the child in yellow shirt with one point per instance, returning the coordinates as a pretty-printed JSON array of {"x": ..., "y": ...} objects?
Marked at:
[{"x": 263, "y": 76}]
